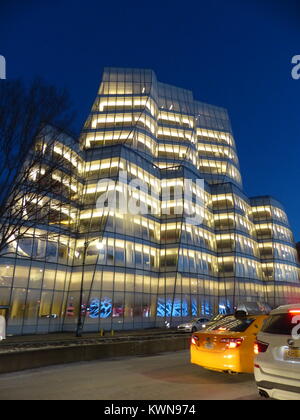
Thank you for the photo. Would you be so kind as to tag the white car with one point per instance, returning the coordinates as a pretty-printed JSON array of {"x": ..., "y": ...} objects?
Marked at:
[
  {"x": 196, "y": 324},
  {"x": 277, "y": 349}
]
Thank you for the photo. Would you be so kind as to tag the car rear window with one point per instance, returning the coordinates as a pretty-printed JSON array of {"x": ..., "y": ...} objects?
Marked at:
[
  {"x": 281, "y": 324},
  {"x": 217, "y": 318},
  {"x": 232, "y": 324}
]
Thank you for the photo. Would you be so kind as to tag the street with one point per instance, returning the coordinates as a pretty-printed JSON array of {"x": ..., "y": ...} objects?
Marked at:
[{"x": 167, "y": 376}]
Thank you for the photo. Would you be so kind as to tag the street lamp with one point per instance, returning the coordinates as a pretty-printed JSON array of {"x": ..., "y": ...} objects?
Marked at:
[{"x": 79, "y": 321}]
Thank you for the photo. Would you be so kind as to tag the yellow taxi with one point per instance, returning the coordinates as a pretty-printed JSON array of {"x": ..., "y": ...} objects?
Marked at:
[{"x": 227, "y": 345}]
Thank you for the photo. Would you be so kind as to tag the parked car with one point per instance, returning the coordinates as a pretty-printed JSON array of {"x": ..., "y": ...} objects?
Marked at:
[
  {"x": 277, "y": 349},
  {"x": 196, "y": 324},
  {"x": 227, "y": 345}
]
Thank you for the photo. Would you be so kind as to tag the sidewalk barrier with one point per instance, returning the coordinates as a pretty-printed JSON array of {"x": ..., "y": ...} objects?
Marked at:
[{"x": 31, "y": 359}]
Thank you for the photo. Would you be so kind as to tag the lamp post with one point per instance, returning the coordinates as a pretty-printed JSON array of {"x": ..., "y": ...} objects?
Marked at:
[{"x": 79, "y": 322}]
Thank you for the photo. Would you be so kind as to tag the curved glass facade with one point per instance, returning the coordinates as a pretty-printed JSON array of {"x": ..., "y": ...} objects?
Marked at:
[{"x": 141, "y": 142}]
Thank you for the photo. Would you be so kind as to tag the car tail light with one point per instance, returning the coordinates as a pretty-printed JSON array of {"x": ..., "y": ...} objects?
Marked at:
[
  {"x": 195, "y": 340},
  {"x": 260, "y": 347},
  {"x": 232, "y": 343},
  {"x": 294, "y": 311}
]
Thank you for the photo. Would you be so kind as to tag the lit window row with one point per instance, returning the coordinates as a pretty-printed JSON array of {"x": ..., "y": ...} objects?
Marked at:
[
  {"x": 124, "y": 119},
  {"x": 219, "y": 168},
  {"x": 271, "y": 230},
  {"x": 281, "y": 272},
  {"x": 175, "y": 134},
  {"x": 217, "y": 151},
  {"x": 268, "y": 212},
  {"x": 271, "y": 250},
  {"x": 215, "y": 136},
  {"x": 113, "y": 103},
  {"x": 178, "y": 119}
]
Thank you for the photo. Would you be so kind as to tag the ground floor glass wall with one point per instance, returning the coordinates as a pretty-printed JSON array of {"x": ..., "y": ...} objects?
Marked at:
[{"x": 45, "y": 298}]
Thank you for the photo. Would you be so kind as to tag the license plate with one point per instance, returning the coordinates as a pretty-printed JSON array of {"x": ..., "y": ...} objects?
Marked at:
[
  {"x": 293, "y": 353},
  {"x": 208, "y": 346}
]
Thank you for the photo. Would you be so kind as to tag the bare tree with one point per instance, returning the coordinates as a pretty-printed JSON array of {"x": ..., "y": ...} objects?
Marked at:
[{"x": 33, "y": 168}]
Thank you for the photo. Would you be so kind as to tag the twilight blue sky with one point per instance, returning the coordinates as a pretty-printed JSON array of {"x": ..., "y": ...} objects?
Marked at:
[{"x": 233, "y": 53}]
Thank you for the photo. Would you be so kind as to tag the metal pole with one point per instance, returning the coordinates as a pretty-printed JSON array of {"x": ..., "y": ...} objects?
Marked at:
[{"x": 79, "y": 322}]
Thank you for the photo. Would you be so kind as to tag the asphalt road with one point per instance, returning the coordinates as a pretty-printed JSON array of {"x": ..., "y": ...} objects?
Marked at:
[{"x": 167, "y": 376}]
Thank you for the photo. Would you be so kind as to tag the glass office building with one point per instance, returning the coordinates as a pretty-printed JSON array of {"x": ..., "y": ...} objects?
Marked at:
[{"x": 141, "y": 143}]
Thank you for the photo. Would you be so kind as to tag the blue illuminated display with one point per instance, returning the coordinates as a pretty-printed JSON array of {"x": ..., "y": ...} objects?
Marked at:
[
  {"x": 167, "y": 307},
  {"x": 100, "y": 308},
  {"x": 225, "y": 307},
  {"x": 194, "y": 307},
  {"x": 207, "y": 308}
]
